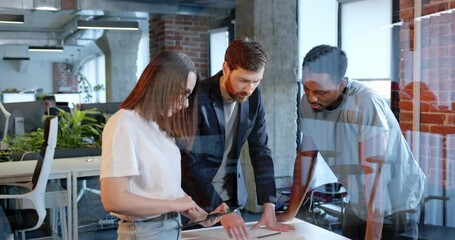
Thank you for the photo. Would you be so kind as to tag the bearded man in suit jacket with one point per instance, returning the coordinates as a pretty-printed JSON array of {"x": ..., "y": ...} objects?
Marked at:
[{"x": 230, "y": 113}]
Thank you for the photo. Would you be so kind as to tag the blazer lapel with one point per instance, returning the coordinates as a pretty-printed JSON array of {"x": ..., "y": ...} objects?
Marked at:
[
  {"x": 217, "y": 105},
  {"x": 243, "y": 123}
]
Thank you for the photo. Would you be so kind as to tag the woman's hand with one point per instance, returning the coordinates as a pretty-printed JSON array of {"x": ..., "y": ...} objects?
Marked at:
[{"x": 183, "y": 204}]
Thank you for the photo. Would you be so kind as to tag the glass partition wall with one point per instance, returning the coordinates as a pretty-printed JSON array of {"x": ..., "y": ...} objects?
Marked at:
[
  {"x": 406, "y": 50},
  {"x": 427, "y": 99}
]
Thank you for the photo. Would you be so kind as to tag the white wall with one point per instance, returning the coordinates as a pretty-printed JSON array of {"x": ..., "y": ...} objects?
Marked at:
[
  {"x": 219, "y": 41},
  {"x": 32, "y": 75},
  {"x": 317, "y": 24},
  {"x": 367, "y": 38}
]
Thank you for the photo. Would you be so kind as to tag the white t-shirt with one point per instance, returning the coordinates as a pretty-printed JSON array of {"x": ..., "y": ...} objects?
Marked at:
[
  {"x": 336, "y": 135},
  {"x": 140, "y": 150}
]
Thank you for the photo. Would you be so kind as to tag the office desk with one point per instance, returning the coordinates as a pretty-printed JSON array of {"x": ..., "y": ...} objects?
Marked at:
[
  {"x": 69, "y": 169},
  {"x": 303, "y": 230},
  {"x": 79, "y": 167},
  {"x": 21, "y": 171}
]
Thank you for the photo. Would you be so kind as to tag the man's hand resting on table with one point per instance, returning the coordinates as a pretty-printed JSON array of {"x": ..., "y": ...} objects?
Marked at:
[
  {"x": 236, "y": 228},
  {"x": 268, "y": 219}
]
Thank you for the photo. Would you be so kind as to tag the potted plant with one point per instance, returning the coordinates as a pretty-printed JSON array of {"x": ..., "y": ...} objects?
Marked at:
[{"x": 79, "y": 135}]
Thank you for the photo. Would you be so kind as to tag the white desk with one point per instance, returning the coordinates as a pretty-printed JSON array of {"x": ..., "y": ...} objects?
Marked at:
[
  {"x": 62, "y": 168},
  {"x": 303, "y": 230},
  {"x": 21, "y": 171},
  {"x": 79, "y": 167}
]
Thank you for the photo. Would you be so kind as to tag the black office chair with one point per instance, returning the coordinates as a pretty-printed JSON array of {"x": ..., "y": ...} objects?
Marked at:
[
  {"x": 328, "y": 201},
  {"x": 29, "y": 213}
]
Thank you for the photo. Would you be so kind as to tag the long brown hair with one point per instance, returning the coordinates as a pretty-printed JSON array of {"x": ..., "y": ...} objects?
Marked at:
[{"x": 160, "y": 87}]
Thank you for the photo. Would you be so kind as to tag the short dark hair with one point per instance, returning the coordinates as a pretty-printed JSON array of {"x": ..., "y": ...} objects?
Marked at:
[
  {"x": 327, "y": 59},
  {"x": 246, "y": 54},
  {"x": 49, "y": 98}
]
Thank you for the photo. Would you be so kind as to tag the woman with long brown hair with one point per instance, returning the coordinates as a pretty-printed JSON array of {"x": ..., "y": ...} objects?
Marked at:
[{"x": 140, "y": 166}]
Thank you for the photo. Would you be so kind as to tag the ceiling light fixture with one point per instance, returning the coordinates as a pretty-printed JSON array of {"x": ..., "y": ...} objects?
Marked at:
[
  {"x": 45, "y": 49},
  {"x": 110, "y": 25},
  {"x": 16, "y": 58},
  {"x": 11, "y": 18},
  {"x": 46, "y": 5}
]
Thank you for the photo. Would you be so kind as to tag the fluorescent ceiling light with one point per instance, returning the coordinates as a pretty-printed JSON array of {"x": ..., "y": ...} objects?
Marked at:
[
  {"x": 45, "y": 49},
  {"x": 46, "y": 5},
  {"x": 47, "y": 8},
  {"x": 11, "y": 18},
  {"x": 111, "y": 25}
]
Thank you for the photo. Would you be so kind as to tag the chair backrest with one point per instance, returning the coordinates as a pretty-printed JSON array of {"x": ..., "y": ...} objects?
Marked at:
[{"x": 44, "y": 164}]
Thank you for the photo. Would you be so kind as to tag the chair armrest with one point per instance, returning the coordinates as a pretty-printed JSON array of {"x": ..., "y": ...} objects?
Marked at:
[
  {"x": 15, "y": 196},
  {"x": 433, "y": 197},
  {"x": 26, "y": 185}
]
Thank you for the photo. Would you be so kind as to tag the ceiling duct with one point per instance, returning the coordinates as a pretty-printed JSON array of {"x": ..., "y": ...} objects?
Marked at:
[
  {"x": 28, "y": 38},
  {"x": 56, "y": 28}
]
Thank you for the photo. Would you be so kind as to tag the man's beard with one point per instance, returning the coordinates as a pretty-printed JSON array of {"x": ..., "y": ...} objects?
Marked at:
[{"x": 237, "y": 96}]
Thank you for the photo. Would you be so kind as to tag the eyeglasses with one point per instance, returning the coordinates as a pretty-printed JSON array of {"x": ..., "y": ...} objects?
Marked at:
[{"x": 188, "y": 95}]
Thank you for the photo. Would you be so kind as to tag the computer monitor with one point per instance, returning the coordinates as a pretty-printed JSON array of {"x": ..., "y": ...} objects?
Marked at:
[
  {"x": 109, "y": 107},
  {"x": 18, "y": 97},
  {"x": 103, "y": 108},
  {"x": 28, "y": 116},
  {"x": 53, "y": 111}
]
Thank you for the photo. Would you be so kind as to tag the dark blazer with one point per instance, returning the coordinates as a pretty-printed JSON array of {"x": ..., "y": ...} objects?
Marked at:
[{"x": 200, "y": 164}]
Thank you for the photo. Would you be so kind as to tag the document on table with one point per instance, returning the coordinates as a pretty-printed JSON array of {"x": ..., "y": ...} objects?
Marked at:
[
  {"x": 260, "y": 233},
  {"x": 303, "y": 230},
  {"x": 267, "y": 234}
]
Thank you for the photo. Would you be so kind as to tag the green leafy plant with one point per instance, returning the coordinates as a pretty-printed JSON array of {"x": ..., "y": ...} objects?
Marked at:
[
  {"x": 79, "y": 129},
  {"x": 76, "y": 130},
  {"x": 86, "y": 87},
  {"x": 29, "y": 142}
]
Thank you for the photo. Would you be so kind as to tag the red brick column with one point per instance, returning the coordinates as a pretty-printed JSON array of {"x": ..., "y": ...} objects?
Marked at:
[
  {"x": 437, "y": 66},
  {"x": 187, "y": 34},
  {"x": 63, "y": 80}
]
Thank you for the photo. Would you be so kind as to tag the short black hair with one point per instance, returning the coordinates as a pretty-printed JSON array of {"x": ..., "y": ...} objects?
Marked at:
[
  {"x": 327, "y": 59},
  {"x": 49, "y": 98}
]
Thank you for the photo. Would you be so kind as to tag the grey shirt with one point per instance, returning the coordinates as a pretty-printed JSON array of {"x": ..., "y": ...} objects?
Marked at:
[
  {"x": 223, "y": 184},
  {"x": 336, "y": 134}
]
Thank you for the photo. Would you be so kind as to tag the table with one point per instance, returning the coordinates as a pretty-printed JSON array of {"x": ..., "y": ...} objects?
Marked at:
[
  {"x": 69, "y": 169},
  {"x": 303, "y": 230},
  {"x": 79, "y": 167},
  {"x": 21, "y": 171}
]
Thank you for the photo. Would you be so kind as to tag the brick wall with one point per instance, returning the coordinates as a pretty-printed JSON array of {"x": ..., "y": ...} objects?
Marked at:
[
  {"x": 437, "y": 66},
  {"x": 187, "y": 34},
  {"x": 63, "y": 80},
  {"x": 435, "y": 73}
]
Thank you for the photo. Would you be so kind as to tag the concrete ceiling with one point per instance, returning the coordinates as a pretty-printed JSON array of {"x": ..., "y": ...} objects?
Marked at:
[{"x": 47, "y": 28}]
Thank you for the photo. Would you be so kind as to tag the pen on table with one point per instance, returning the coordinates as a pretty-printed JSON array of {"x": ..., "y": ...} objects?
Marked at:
[{"x": 269, "y": 235}]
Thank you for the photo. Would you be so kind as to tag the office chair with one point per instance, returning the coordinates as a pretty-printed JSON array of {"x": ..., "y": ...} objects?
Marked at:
[
  {"x": 29, "y": 214},
  {"x": 330, "y": 199}
]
